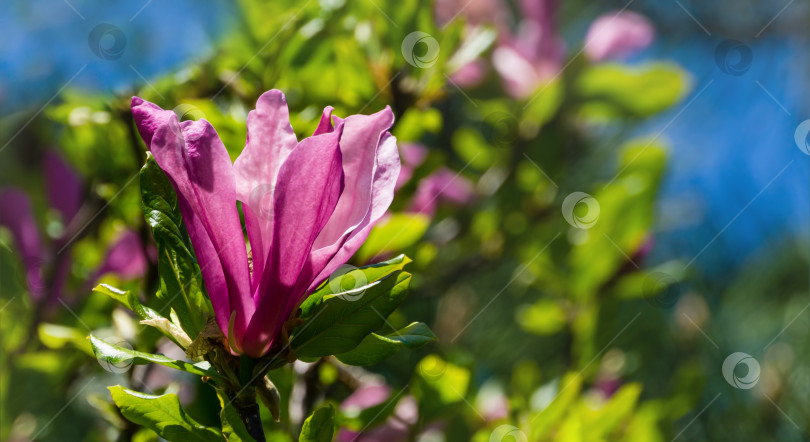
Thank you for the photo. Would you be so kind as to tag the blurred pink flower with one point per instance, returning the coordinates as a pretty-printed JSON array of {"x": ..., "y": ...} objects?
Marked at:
[
  {"x": 533, "y": 56},
  {"x": 64, "y": 189},
  {"x": 443, "y": 185},
  {"x": 618, "y": 35},
  {"x": 412, "y": 155},
  {"x": 495, "y": 408},
  {"x": 63, "y": 185},
  {"x": 395, "y": 428},
  {"x": 17, "y": 216},
  {"x": 126, "y": 258},
  {"x": 607, "y": 385},
  {"x": 471, "y": 74},
  {"x": 476, "y": 12},
  {"x": 366, "y": 396}
]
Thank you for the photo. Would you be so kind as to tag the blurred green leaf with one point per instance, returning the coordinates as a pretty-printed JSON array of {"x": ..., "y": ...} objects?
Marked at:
[
  {"x": 614, "y": 89},
  {"x": 398, "y": 232},
  {"x": 545, "y": 317},
  {"x": 56, "y": 336},
  {"x": 162, "y": 414},
  {"x": 376, "y": 348},
  {"x": 438, "y": 384}
]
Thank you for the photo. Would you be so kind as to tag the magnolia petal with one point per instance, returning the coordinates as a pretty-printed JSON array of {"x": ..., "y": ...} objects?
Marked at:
[
  {"x": 325, "y": 125},
  {"x": 270, "y": 139},
  {"x": 309, "y": 185},
  {"x": 367, "y": 205},
  {"x": 198, "y": 165}
]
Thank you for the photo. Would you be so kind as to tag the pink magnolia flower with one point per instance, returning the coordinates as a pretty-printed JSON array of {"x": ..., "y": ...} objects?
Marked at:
[
  {"x": 617, "y": 35},
  {"x": 308, "y": 206}
]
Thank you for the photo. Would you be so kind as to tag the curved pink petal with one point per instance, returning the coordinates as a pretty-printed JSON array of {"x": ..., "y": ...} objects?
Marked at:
[
  {"x": 270, "y": 139},
  {"x": 17, "y": 216},
  {"x": 307, "y": 191},
  {"x": 382, "y": 179},
  {"x": 63, "y": 185},
  {"x": 195, "y": 160},
  {"x": 617, "y": 35}
]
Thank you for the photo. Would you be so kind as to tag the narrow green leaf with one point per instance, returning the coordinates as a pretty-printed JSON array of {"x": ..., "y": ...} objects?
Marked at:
[
  {"x": 149, "y": 316},
  {"x": 376, "y": 348},
  {"x": 320, "y": 426},
  {"x": 162, "y": 414},
  {"x": 180, "y": 282},
  {"x": 118, "y": 356},
  {"x": 128, "y": 299}
]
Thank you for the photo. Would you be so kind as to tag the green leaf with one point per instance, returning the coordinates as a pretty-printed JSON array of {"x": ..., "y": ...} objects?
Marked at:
[
  {"x": 612, "y": 89},
  {"x": 376, "y": 348},
  {"x": 401, "y": 231},
  {"x": 162, "y": 414},
  {"x": 180, "y": 282},
  {"x": 545, "y": 317},
  {"x": 118, "y": 356},
  {"x": 56, "y": 336},
  {"x": 232, "y": 426},
  {"x": 320, "y": 426},
  {"x": 438, "y": 384},
  {"x": 338, "y": 322},
  {"x": 371, "y": 273},
  {"x": 149, "y": 316}
]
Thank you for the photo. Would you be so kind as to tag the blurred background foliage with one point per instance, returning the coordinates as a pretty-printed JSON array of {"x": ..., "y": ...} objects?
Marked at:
[{"x": 616, "y": 331}]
